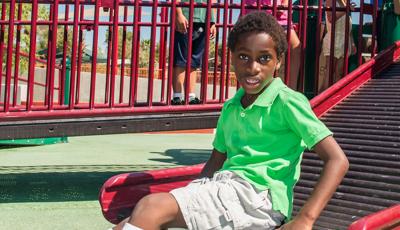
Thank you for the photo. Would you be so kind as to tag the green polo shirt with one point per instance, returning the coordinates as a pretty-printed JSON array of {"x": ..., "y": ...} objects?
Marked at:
[
  {"x": 264, "y": 143},
  {"x": 199, "y": 14}
]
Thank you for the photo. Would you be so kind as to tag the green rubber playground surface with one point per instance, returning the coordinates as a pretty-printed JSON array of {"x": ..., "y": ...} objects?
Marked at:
[{"x": 56, "y": 186}]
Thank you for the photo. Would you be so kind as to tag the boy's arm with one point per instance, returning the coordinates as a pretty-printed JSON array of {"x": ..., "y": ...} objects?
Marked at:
[
  {"x": 213, "y": 164},
  {"x": 213, "y": 29},
  {"x": 182, "y": 23},
  {"x": 335, "y": 167}
]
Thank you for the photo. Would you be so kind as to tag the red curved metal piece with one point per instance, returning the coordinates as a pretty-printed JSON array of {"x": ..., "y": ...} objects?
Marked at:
[
  {"x": 385, "y": 219},
  {"x": 120, "y": 193}
]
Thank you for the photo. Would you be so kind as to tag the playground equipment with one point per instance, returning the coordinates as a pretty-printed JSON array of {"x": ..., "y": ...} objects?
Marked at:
[{"x": 115, "y": 97}]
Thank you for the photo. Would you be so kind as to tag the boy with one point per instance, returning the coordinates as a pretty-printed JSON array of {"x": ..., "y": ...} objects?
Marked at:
[
  {"x": 181, "y": 50},
  {"x": 248, "y": 181}
]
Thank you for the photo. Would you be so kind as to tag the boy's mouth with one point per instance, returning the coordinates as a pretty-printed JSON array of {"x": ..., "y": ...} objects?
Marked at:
[{"x": 252, "y": 81}]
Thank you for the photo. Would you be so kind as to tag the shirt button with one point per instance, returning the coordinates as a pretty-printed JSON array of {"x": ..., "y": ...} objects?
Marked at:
[{"x": 242, "y": 114}]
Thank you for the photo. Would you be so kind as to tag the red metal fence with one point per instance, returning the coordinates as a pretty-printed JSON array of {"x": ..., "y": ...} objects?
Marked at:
[{"x": 63, "y": 58}]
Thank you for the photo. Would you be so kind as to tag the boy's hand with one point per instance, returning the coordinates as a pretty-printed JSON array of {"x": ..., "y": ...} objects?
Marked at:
[
  {"x": 182, "y": 23},
  {"x": 213, "y": 31},
  {"x": 296, "y": 224}
]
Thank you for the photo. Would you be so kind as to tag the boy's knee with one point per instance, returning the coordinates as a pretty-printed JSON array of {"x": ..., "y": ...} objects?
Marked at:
[
  {"x": 147, "y": 202},
  {"x": 154, "y": 210},
  {"x": 158, "y": 204}
]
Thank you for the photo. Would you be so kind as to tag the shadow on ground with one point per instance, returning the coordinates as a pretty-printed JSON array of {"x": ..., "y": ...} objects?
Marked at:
[
  {"x": 58, "y": 183},
  {"x": 184, "y": 156}
]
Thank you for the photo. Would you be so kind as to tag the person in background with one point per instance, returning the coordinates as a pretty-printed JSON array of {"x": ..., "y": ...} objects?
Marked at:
[
  {"x": 338, "y": 52},
  {"x": 294, "y": 42},
  {"x": 181, "y": 50},
  {"x": 389, "y": 24}
]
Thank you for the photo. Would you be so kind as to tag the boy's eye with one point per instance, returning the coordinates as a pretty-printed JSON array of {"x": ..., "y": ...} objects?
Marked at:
[
  {"x": 264, "y": 59},
  {"x": 243, "y": 57}
]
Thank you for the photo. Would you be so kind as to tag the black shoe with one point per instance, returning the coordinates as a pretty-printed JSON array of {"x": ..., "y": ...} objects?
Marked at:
[
  {"x": 194, "y": 101},
  {"x": 177, "y": 101}
]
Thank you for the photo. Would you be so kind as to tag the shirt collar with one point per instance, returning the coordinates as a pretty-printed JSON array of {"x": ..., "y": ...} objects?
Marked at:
[{"x": 266, "y": 98}]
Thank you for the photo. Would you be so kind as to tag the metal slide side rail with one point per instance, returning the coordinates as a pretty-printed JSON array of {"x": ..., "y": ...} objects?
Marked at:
[{"x": 367, "y": 126}]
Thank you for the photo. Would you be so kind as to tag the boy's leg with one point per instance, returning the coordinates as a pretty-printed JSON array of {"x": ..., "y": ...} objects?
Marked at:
[
  {"x": 179, "y": 76},
  {"x": 193, "y": 79},
  {"x": 295, "y": 52},
  {"x": 155, "y": 211},
  {"x": 178, "y": 79},
  {"x": 198, "y": 49},
  {"x": 180, "y": 59}
]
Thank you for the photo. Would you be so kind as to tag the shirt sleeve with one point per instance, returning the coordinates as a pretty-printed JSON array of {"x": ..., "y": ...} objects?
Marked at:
[
  {"x": 302, "y": 120},
  {"x": 219, "y": 138}
]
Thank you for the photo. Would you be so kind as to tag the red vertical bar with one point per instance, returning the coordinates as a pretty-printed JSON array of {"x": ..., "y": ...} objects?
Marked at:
[
  {"x": 2, "y": 35},
  {"x": 346, "y": 41},
  {"x": 374, "y": 27},
  {"x": 48, "y": 60},
  {"x": 171, "y": 50},
  {"x": 114, "y": 61},
  {"x": 109, "y": 59},
  {"x": 275, "y": 8},
  {"x": 242, "y": 8},
  {"x": 224, "y": 52},
  {"x": 75, "y": 31},
  {"x": 64, "y": 60},
  {"x": 360, "y": 32},
  {"x": 9, "y": 56},
  {"x": 299, "y": 10},
  {"x": 94, "y": 55},
  {"x": 121, "y": 85},
  {"x": 303, "y": 44},
  {"x": 17, "y": 56},
  {"x": 137, "y": 59},
  {"x": 318, "y": 47},
  {"x": 80, "y": 50},
  {"x": 162, "y": 53},
  {"x": 50, "y": 93},
  {"x": 228, "y": 59},
  {"x": 134, "y": 56},
  {"x": 32, "y": 58},
  {"x": 152, "y": 53},
  {"x": 258, "y": 6},
  {"x": 288, "y": 32},
  {"x": 204, "y": 72},
  {"x": 189, "y": 53},
  {"x": 332, "y": 45},
  {"x": 216, "y": 67}
]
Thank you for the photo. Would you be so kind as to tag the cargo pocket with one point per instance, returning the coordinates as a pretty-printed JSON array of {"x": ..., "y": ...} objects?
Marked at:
[
  {"x": 258, "y": 201},
  {"x": 203, "y": 221},
  {"x": 261, "y": 213},
  {"x": 234, "y": 211},
  {"x": 204, "y": 215}
]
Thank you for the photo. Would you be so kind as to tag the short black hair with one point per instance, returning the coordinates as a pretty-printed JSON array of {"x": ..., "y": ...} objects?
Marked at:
[{"x": 259, "y": 22}]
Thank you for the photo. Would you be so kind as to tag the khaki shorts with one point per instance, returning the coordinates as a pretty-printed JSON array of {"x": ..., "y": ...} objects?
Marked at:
[{"x": 226, "y": 202}]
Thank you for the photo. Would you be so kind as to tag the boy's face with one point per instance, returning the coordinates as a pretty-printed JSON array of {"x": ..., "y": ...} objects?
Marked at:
[{"x": 255, "y": 61}]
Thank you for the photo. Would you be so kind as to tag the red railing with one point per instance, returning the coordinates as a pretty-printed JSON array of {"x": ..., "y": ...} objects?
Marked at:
[{"x": 113, "y": 40}]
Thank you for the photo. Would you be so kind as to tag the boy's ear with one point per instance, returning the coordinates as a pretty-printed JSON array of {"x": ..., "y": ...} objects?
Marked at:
[{"x": 278, "y": 64}]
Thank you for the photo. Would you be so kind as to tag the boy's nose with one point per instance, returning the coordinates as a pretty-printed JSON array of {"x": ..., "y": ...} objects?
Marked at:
[{"x": 254, "y": 68}]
